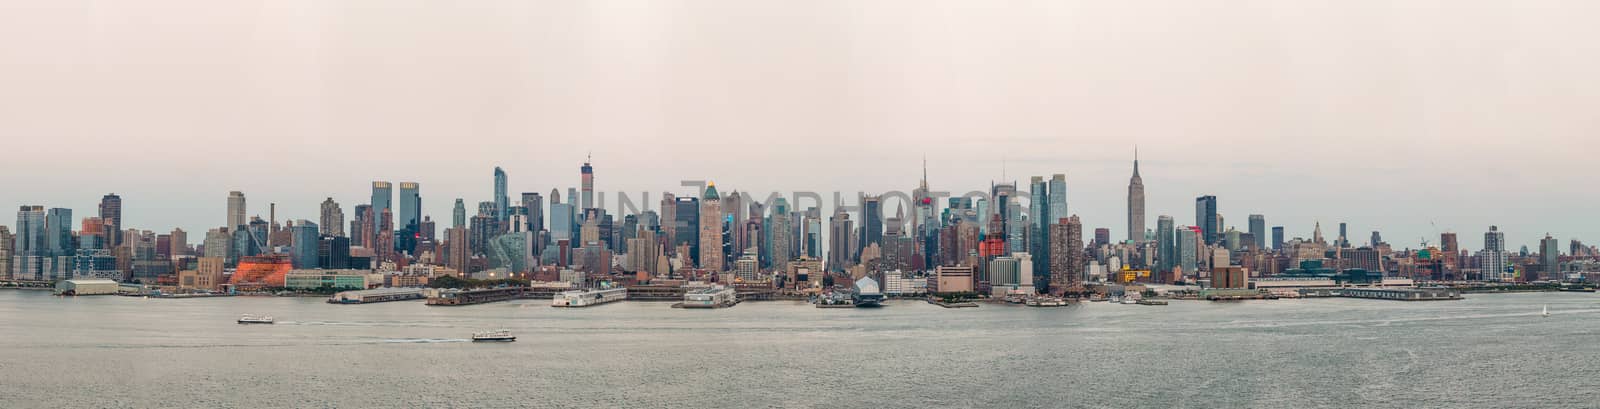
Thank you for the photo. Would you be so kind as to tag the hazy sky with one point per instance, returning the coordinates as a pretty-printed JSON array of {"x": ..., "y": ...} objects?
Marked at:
[{"x": 1388, "y": 114}]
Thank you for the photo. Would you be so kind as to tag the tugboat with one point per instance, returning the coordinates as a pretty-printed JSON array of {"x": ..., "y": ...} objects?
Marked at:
[
  {"x": 493, "y": 336},
  {"x": 255, "y": 319}
]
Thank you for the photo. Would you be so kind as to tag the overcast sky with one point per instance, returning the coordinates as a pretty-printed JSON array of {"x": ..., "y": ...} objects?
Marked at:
[{"x": 1394, "y": 115}]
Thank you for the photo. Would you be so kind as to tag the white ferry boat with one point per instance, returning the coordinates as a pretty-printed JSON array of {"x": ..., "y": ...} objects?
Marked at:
[
  {"x": 493, "y": 336},
  {"x": 585, "y": 298},
  {"x": 255, "y": 319}
]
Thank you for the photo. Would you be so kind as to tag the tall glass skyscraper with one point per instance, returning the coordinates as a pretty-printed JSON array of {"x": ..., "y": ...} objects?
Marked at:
[
  {"x": 1258, "y": 229},
  {"x": 1166, "y": 244},
  {"x": 303, "y": 242},
  {"x": 58, "y": 233},
  {"x": 382, "y": 196},
  {"x": 1058, "y": 198},
  {"x": 502, "y": 202},
  {"x": 1039, "y": 215},
  {"x": 686, "y": 226},
  {"x": 410, "y": 206},
  {"x": 1205, "y": 218}
]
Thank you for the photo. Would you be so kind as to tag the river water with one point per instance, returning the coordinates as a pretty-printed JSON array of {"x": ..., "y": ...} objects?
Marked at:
[{"x": 1487, "y": 351}]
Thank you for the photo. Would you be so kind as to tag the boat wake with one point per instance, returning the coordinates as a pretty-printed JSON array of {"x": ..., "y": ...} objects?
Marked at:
[{"x": 424, "y": 340}]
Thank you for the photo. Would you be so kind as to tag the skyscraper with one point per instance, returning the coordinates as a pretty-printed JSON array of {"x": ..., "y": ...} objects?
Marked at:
[
  {"x": 1492, "y": 260},
  {"x": 1205, "y": 217},
  {"x": 502, "y": 202},
  {"x": 1166, "y": 245},
  {"x": 686, "y": 226},
  {"x": 8, "y": 243},
  {"x": 839, "y": 227},
  {"x": 1344, "y": 237},
  {"x": 410, "y": 206},
  {"x": 382, "y": 198},
  {"x": 711, "y": 255},
  {"x": 561, "y": 218},
  {"x": 111, "y": 215},
  {"x": 1258, "y": 230},
  {"x": 28, "y": 250},
  {"x": 588, "y": 184},
  {"x": 1452, "y": 252},
  {"x": 236, "y": 210},
  {"x": 58, "y": 233},
  {"x": 180, "y": 242},
  {"x": 1277, "y": 238},
  {"x": 458, "y": 216},
  {"x": 1549, "y": 258},
  {"x": 1039, "y": 217},
  {"x": 303, "y": 244},
  {"x": 1136, "y": 203},
  {"x": 871, "y": 221},
  {"x": 1058, "y": 197},
  {"x": 1188, "y": 247},
  {"x": 534, "y": 202},
  {"x": 1067, "y": 258},
  {"x": 332, "y": 218},
  {"x": 361, "y": 227}
]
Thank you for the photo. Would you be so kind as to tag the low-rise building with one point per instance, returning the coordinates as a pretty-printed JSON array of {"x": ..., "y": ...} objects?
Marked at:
[
  {"x": 326, "y": 279},
  {"x": 86, "y": 287},
  {"x": 951, "y": 279}
]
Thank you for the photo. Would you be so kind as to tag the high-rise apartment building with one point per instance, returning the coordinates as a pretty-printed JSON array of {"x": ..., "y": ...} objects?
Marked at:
[
  {"x": 587, "y": 183},
  {"x": 236, "y": 210},
  {"x": 1549, "y": 258},
  {"x": 1067, "y": 258},
  {"x": 1492, "y": 261},
  {"x": 502, "y": 202}
]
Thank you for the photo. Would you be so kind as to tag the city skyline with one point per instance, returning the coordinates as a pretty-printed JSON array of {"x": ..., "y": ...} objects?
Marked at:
[{"x": 1116, "y": 223}]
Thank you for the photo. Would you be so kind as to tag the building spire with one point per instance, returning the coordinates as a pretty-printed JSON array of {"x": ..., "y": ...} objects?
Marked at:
[
  {"x": 1135, "y": 160},
  {"x": 924, "y": 171}
]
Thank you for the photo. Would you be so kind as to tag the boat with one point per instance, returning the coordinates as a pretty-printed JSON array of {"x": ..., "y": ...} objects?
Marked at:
[
  {"x": 1045, "y": 302},
  {"x": 586, "y": 298},
  {"x": 494, "y": 336},
  {"x": 255, "y": 319},
  {"x": 1546, "y": 310},
  {"x": 1152, "y": 302}
]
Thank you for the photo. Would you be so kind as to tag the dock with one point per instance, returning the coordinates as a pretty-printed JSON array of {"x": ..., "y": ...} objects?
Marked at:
[
  {"x": 377, "y": 295},
  {"x": 470, "y": 297},
  {"x": 1395, "y": 294}
]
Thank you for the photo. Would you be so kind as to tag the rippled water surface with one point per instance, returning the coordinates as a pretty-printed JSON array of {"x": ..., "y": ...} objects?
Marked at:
[{"x": 1488, "y": 351}]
